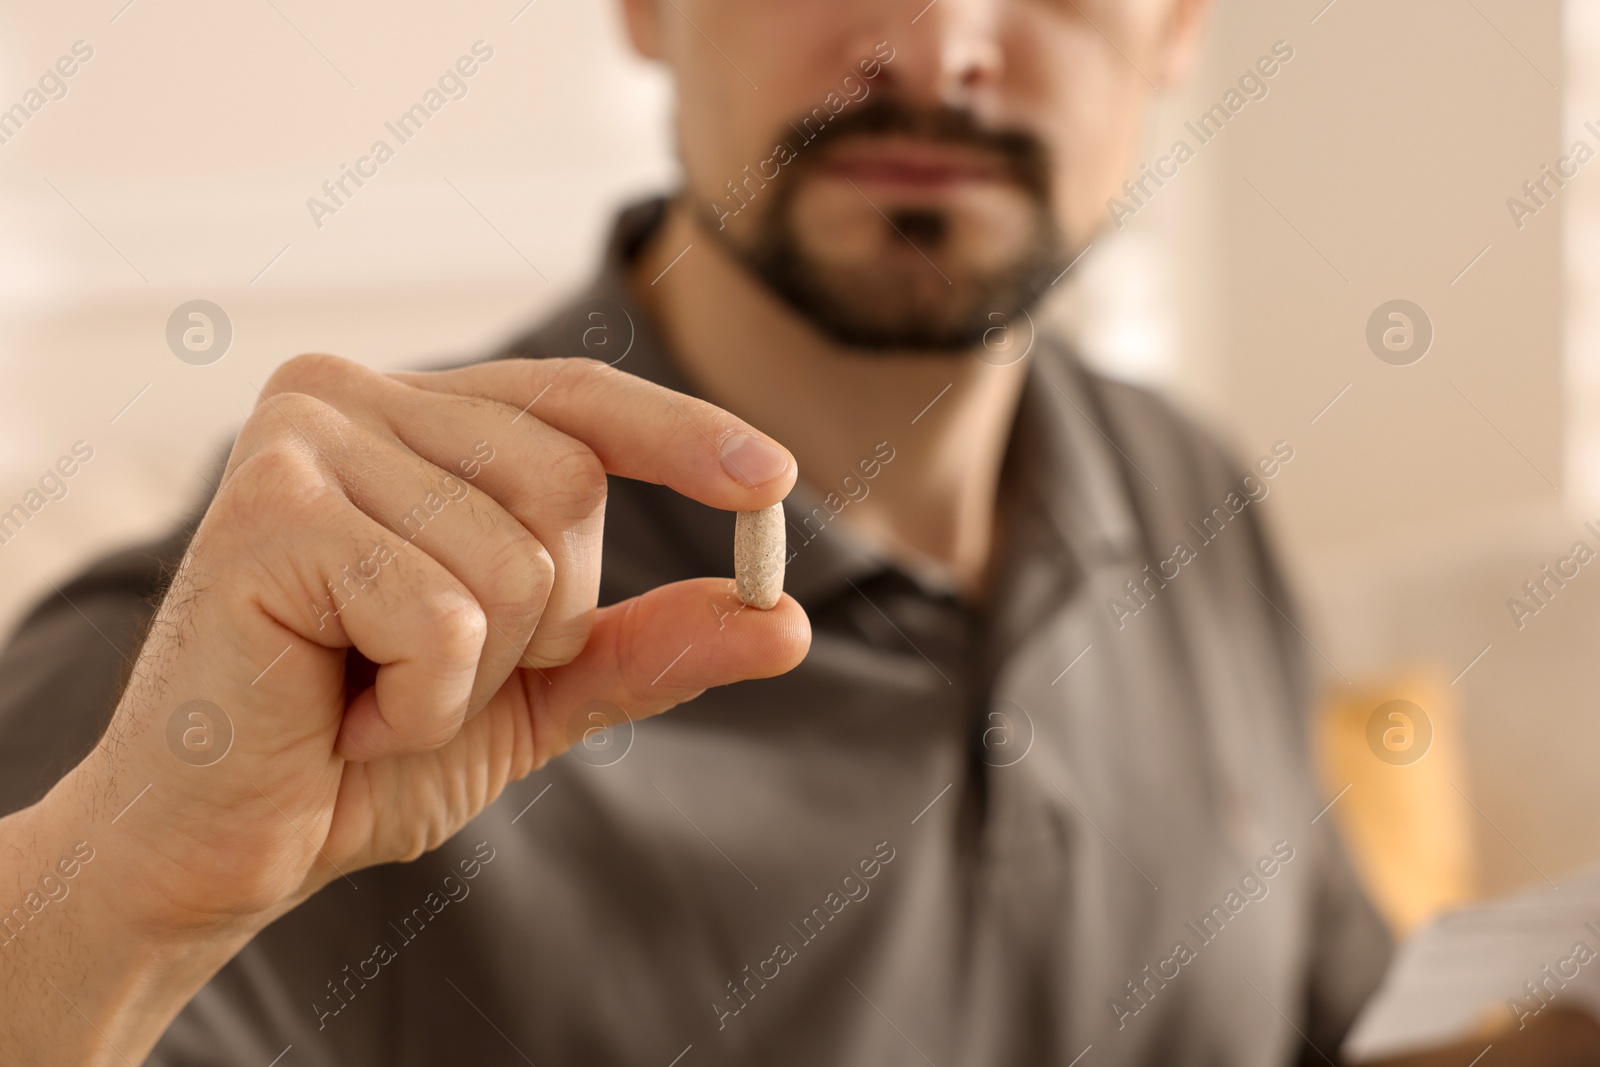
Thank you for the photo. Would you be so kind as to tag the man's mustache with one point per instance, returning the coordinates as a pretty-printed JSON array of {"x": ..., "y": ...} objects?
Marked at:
[{"x": 1024, "y": 156}]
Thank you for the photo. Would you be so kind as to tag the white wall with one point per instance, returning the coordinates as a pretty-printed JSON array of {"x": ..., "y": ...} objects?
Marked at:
[
  {"x": 190, "y": 143},
  {"x": 1378, "y": 168}
]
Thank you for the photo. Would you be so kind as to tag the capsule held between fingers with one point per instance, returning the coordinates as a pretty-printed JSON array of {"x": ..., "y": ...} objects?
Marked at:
[{"x": 759, "y": 547}]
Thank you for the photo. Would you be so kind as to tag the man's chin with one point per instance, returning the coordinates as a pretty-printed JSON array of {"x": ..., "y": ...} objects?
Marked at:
[
  {"x": 883, "y": 328},
  {"x": 884, "y": 299},
  {"x": 882, "y": 313}
]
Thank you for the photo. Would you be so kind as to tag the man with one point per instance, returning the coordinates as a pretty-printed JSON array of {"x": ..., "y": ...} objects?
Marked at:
[{"x": 985, "y": 819}]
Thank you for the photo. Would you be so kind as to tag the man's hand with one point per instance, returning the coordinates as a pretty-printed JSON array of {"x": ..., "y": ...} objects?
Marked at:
[{"x": 392, "y": 602}]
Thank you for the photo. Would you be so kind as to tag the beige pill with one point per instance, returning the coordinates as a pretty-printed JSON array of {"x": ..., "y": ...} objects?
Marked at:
[{"x": 758, "y": 551}]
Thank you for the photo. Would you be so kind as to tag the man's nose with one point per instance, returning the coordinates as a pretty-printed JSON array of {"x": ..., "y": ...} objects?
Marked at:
[{"x": 945, "y": 51}]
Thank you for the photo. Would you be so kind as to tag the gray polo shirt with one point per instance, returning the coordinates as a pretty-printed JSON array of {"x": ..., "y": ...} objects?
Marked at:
[{"x": 1071, "y": 824}]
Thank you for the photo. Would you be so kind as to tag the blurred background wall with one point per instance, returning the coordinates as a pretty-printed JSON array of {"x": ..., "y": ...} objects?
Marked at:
[
  {"x": 1377, "y": 167},
  {"x": 178, "y": 167}
]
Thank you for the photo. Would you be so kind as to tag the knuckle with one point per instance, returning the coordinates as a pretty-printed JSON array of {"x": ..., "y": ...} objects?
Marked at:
[
  {"x": 587, "y": 366},
  {"x": 521, "y": 573},
  {"x": 577, "y": 478},
  {"x": 305, "y": 373},
  {"x": 584, "y": 378},
  {"x": 453, "y": 627},
  {"x": 275, "y": 485},
  {"x": 290, "y": 415}
]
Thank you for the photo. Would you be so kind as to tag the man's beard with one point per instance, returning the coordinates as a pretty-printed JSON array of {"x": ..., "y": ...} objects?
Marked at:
[{"x": 926, "y": 309}]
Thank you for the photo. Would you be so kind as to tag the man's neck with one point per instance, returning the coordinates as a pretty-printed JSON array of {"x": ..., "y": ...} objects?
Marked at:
[{"x": 946, "y": 418}]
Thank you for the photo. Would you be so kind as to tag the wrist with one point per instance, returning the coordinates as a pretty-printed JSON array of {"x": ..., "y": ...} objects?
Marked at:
[
  {"x": 82, "y": 937},
  {"x": 125, "y": 843}
]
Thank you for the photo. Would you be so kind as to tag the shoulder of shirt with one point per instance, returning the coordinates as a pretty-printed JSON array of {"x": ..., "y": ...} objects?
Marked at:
[
  {"x": 1198, "y": 474},
  {"x": 1162, "y": 438},
  {"x": 1176, "y": 471}
]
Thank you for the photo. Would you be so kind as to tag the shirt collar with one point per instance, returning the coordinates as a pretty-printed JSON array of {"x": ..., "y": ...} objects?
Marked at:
[
  {"x": 1060, "y": 455},
  {"x": 1064, "y": 447}
]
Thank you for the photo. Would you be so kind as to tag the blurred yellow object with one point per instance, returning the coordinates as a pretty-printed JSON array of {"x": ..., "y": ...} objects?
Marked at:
[{"x": 1393, "y": 746}]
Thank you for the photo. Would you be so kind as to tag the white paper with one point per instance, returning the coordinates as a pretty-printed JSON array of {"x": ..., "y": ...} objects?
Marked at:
[{"x": 1499, "y": 963}]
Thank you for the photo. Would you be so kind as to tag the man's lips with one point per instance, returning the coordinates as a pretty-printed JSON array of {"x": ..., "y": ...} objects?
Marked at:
[{"x": 913, "y": 166}]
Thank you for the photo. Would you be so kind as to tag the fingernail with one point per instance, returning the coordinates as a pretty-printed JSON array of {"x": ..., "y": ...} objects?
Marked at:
[{"x": 753, "y": 460}]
